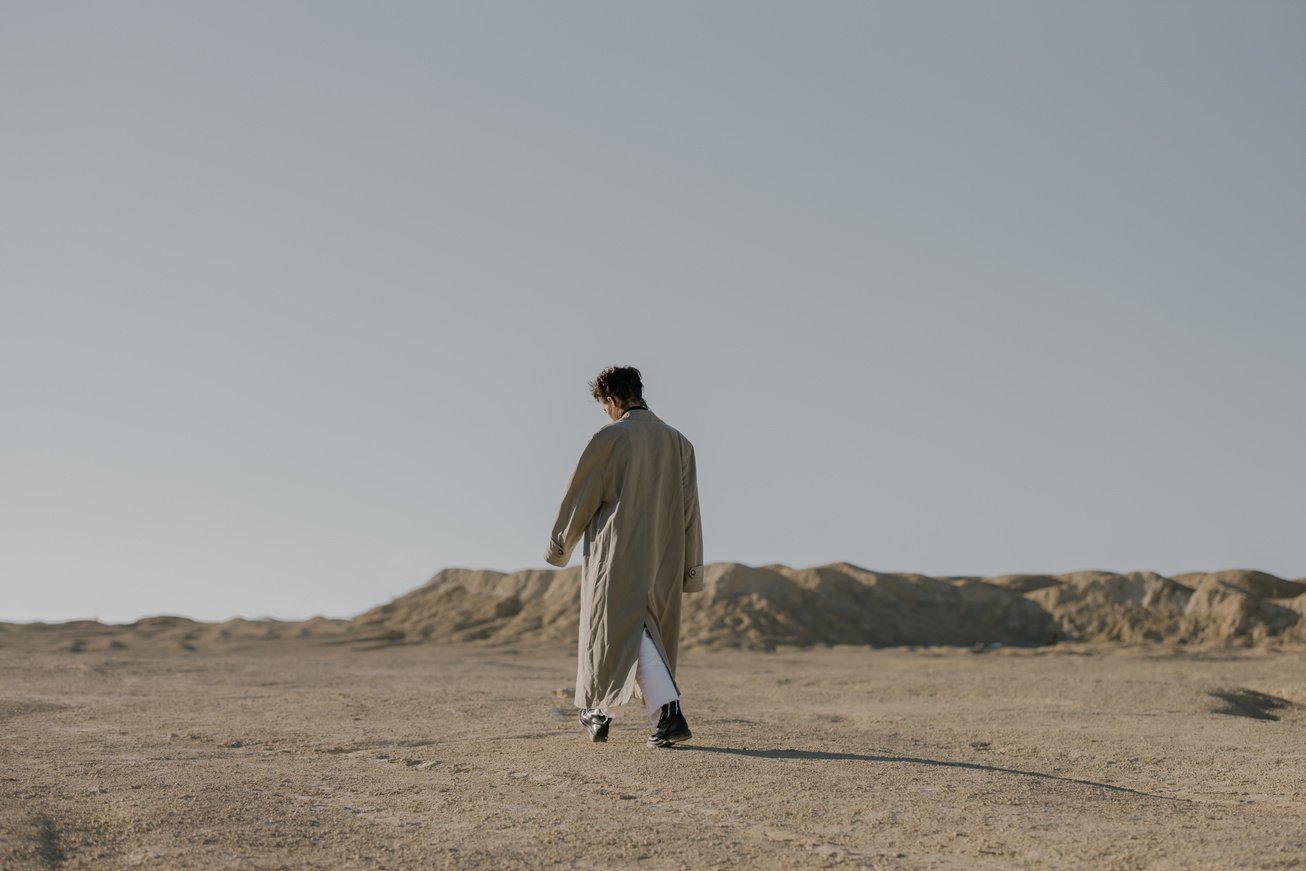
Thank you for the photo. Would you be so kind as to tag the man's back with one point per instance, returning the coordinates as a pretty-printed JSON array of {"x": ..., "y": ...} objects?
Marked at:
[
  {"x": 643, "y": 517},
  {"x": 633, "y": 498}
]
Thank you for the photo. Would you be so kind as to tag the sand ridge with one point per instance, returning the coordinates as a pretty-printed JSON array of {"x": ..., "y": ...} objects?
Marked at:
[
  {"x": 767, "y": 606},
  {"x": 770, "y": 606}
]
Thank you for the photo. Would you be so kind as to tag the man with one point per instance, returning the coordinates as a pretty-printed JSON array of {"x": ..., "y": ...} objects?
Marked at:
[{"x": 634, "y": 498}]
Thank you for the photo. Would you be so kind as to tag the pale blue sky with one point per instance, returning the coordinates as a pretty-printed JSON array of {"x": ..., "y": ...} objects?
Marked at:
[{"x": 298, "y": 301}]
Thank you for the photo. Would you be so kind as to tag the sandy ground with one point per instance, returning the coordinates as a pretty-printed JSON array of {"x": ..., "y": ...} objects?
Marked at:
[{"x": 302, "y": 754}]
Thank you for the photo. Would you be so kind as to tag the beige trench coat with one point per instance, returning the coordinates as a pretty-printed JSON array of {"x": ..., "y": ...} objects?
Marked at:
[{"x": 634, "y": 498}]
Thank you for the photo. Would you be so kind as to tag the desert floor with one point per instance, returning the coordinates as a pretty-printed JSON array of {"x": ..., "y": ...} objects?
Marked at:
[{"x": 305, "y": 754}]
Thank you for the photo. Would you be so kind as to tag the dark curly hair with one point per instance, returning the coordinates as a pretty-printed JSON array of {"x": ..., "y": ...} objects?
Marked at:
[{"x": 621, "y": 383}]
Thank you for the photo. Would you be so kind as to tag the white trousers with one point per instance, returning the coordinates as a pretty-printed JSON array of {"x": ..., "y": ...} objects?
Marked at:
[{"x": 654, "y": 678}]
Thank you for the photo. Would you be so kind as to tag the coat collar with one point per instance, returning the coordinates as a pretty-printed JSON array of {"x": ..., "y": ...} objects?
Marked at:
[{"x": 634, "y": 409}]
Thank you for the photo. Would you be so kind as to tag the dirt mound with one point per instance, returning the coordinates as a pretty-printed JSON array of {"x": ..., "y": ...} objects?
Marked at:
[
  {"x": 1255, "y": 583},
  {"x": 1145, "y": 606},
  {"x": 840, "y": 603},
  {"x": 762, "y": 607},
  {"x": 843, "y": 604},
  {"x": 479, "y": 605},
  {"x": 168, "y": 633}
]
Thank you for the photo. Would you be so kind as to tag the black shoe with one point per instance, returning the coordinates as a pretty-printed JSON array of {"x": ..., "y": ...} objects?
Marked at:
[
  {"x": 672, "y": 727},
  {"x": 595, "y": 723}
]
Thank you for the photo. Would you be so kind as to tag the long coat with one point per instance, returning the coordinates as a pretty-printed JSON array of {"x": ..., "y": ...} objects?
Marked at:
[{"x": 634, "y": 499}]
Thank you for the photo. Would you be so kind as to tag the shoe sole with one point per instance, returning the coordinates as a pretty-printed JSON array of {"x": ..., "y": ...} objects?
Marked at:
[
  {"x": 669, "y": 740},
  {"x": 598, "y": 733}
]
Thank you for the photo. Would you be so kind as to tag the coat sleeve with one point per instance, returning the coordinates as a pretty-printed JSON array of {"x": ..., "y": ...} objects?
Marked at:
[
  {"x": 693, "y": 581},
  {"x": 583, "y": 498}
]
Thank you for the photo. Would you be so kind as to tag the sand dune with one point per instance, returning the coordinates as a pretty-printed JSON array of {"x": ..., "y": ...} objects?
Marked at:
[
  {"x": 166, "y": 633},
  {"x": 839, "y": 603},
  {"x": 763, "y": 607}
]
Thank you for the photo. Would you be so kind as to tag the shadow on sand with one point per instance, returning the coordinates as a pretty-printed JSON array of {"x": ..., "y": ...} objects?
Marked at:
[{"x": 911, "y": 760}]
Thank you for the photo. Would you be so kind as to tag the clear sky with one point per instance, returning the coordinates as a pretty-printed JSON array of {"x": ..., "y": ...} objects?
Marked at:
[{"x": 298, "y": 301}]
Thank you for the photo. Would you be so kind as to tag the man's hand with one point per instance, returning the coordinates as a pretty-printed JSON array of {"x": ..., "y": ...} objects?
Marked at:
[{"x": 555, "y": 555}]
